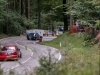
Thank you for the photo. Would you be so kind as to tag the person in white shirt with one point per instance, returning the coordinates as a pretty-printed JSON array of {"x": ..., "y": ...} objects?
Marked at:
[{"x": 77, "y": 25}]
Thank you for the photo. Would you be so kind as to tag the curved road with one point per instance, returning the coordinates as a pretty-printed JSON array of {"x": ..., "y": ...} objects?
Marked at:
[{"x": 31, "y": 51}]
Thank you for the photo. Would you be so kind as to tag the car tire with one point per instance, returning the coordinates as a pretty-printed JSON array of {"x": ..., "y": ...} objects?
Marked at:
[
  {"x": 36, "y": 38},
  {"x": 30, "y": 38},
  {"x": 19, "y": 54},
  {"x": 27, "y": 37}
]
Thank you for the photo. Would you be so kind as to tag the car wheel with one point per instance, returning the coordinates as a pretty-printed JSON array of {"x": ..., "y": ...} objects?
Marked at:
[
  {"x": 27, "y": 37},
  {"x": 36, "y": 38},
  {"x": 30, "y": 38},
  {"x": 19, "y": 54}
]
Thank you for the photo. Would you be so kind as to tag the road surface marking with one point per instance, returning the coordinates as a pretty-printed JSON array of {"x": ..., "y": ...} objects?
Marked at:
[
  {"x": 59, "y": 58},
  {"x": 23, "y": 61}
]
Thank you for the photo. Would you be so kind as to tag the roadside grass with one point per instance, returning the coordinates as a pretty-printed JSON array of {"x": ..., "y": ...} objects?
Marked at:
[
  {"x": 80, "y": 58},
  {"x": 3, "y": 36}
]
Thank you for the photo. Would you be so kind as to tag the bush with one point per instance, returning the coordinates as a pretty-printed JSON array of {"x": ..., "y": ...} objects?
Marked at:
[{"x": 48, "y": 66}]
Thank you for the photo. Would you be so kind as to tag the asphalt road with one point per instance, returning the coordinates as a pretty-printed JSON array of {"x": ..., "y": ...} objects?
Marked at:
[{"x": 31, "y": 51}]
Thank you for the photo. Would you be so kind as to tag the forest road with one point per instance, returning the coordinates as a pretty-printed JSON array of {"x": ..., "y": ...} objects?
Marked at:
[{"x": 31, "y": 51}]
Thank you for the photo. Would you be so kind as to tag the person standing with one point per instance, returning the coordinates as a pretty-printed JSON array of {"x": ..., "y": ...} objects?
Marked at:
[{"x": 77, "y": 25}]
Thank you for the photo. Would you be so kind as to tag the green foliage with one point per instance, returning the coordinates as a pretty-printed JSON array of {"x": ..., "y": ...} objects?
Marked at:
[
  {"x": 96, "y": 4},
  {"x": 77, "y": 59},
  {"x": 97, "y": 25},
  {"x": 50, "y": 5},
  {"x": 57, "y": 11},
  {"x": 48, "y": 65},
  {"x": 17, "y": 23},
  {"x": 83, "y": 9},
  {"x": 51, "y": 11},
  {"x": 89, "y": 40},
  {"x": 14, "y": 23},
  {"x": 11, "y": 72},
  {"x": 2, "y": 4},
  {"x": 1, "y": 72}
]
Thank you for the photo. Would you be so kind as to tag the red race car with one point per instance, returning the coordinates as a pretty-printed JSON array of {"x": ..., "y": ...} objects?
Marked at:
[{"x": 10, "y": 52}]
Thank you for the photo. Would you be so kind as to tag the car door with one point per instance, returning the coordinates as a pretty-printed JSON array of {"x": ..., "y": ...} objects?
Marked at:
[{"x": 38, "y": 36}]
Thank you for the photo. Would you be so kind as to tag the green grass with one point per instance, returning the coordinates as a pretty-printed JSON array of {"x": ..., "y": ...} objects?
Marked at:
[{"x": 80, "y": 59}]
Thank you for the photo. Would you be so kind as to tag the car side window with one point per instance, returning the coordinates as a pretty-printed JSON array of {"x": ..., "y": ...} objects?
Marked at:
[{"x": 36, "y": 34}]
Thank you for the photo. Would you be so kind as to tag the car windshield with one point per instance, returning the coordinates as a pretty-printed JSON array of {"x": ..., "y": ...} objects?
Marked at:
[
  {"x": 33, "y": 34},
  {"x": 8, "y": 48}
]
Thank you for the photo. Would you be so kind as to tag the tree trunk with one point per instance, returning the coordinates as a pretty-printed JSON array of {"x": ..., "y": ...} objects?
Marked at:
[
  {"x": 52, "y": 26},
  {"x": 53, "y": 2},
  {"x": 39, "y": 14},
  {"x": 39, "y": 20},
  {"x": 16, "y": 5},
  {"x": 27, "y": 8},
  {"x": 21, "y": 7},
  {"x": 65, "y": 16},
  {"x": 6, "y": 18},
  {"x": 71, "y": 16},
  {"x": 71, "y": 19}
]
